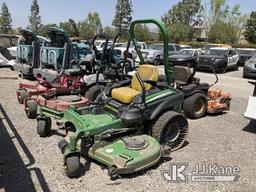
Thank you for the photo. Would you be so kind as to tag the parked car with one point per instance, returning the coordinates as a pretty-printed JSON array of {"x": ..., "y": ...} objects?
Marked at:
[
  {"x": 155, "y": 51},
  {"x": 141, "y": 45},
  {"x": 245, "y": 54},
  {"x": 219, "y": 59},
  {"x": 8, "y": 50},
  {"x": 250, "y": 67},
  {"x": 183, "y": 55},
  {"x": 121, "y": 49},
  {"x": 207, "y": 47},
  {"x": 185, "y": 47}
]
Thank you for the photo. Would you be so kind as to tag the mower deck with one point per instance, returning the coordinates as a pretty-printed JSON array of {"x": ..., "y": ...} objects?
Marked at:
[
  {"x": 128, "y": 154},
  {"x": 64, "y": 85},
  {"x": 62, "y": 102},
  {"x": 218, "y": 101}
]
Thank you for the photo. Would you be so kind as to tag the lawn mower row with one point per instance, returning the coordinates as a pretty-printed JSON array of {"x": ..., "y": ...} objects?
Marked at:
[{"x": 124, "y": 122}]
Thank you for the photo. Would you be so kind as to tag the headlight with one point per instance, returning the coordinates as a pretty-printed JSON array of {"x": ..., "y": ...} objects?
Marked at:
[
  {"x": 249, "y": 64},
  {"x": 151, "y": 55},
  {"x": 144, "y": 54}
]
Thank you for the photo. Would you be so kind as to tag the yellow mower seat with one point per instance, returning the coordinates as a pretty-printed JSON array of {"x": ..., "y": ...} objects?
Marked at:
[{"x": 127, "y": 94}]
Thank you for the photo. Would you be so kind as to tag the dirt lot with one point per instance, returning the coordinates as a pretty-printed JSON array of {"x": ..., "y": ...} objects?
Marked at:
[{"x": 30, "y": 163}]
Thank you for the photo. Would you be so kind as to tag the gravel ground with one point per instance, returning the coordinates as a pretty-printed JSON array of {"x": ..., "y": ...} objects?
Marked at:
[{"x": 30, "y": 163}]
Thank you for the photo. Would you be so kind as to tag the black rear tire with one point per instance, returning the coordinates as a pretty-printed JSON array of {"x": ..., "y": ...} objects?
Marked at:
[
  {"x": 44, "y": 126},
  {"x": 195, "y": 106},
  {"x": 72, "y": 166},
  {"x": 224, "y": 69},
  {"x": 93, "y": 92},
  {"x": 170, "y": 129},
  {"x": 31, "y": 108}
]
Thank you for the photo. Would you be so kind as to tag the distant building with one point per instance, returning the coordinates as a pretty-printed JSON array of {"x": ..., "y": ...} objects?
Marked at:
[
  {"x": 154, "y": 34},
  {"x": 201, "y": 35}
]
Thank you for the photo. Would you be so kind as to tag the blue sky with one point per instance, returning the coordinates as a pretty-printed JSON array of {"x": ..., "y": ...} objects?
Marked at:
[{"x": 55, "y": 11}]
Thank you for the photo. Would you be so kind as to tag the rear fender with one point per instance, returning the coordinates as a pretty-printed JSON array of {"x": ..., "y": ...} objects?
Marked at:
[
  {"x": 197, "y": 91},
  {"x": 174, "y": 104}
]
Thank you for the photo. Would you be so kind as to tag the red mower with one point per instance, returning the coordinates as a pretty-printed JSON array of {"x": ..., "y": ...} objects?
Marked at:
[
  {"x": 64, "y": 84},
  {"x": 31, "y": 94},
  {"x": 62, "y": 92}
]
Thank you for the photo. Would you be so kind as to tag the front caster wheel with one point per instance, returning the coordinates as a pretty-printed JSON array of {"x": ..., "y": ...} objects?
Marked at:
[
  {"x": 44, "y": 126},
  {"x": 112, "y": 172},
  {"x": 31, "y": 108},
  {"x": 62, "y": 145},
  {"x": 72, "y": 166},
  {"x": 21, "y": 95}
]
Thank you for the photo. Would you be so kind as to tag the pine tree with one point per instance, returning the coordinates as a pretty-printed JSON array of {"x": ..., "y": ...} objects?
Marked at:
[
  {"x": 250, "y": 28},
  {"x": 91, "y": 26},
  {"x": 123, "y": 15},
  {"x": 5, "y": 19},
  {"x": 35, "y": 18}
]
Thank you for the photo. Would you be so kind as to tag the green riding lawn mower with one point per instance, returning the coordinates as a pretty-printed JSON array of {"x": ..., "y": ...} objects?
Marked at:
[{"x": 131, "y": 125}]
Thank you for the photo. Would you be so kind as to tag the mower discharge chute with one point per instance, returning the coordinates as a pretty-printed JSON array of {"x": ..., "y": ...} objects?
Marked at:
[{"x": 132, "y": 124}]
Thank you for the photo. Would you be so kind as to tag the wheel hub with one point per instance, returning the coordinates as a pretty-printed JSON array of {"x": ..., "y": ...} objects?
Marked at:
[
  {"x": 199, "y": 106},
  {"x": 172, "y": 133}
]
